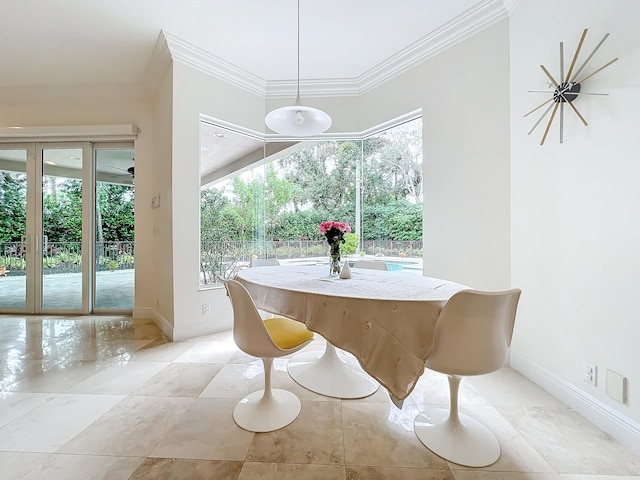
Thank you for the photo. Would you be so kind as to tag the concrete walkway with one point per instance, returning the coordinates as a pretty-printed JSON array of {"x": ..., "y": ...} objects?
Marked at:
[{"x": 114, "y": 290}]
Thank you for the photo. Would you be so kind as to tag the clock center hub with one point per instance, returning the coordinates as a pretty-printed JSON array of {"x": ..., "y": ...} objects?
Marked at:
[{"x": 566, "y": 92}]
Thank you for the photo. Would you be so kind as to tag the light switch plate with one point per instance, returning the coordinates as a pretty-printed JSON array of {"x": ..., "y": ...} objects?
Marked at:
[{"x": 615, "y": 386}]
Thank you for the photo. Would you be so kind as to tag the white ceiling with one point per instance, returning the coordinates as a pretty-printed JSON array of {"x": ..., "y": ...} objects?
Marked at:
[
  {"x": 87, "y": 42},
  {"x": 346, "y": 46}
]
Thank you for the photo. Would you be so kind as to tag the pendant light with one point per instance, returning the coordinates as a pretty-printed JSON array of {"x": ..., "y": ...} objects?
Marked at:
[{"x": 298, "y": 120}]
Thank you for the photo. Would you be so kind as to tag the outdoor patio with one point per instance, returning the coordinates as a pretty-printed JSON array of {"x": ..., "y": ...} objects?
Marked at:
[{"x": 114, "y": 290}]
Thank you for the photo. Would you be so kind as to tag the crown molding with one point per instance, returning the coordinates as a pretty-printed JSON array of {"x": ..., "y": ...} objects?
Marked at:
[
  {"x": 158, "y": 64},
  {"x": 324, "y": 87},
  {"x": 482, "y": 15},
  {"x": 477, "y": 18},
  {"x": 210, "y": 64}
]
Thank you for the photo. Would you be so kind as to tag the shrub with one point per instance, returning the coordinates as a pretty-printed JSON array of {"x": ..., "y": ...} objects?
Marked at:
[{"x": 350, "y": 244}]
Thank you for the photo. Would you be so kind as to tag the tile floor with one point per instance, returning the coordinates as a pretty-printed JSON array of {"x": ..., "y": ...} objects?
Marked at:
[{"x": 109, "y": 398}]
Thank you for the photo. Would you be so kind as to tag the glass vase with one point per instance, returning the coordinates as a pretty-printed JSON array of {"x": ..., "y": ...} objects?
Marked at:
[{"x": 334, "y": 260}]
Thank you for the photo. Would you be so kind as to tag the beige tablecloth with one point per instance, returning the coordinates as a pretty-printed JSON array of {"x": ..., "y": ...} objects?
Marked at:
[{"x": 385, "y": 319}]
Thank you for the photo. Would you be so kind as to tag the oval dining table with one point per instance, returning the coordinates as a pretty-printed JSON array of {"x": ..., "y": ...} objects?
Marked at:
[{"x": 385, "y": 319}]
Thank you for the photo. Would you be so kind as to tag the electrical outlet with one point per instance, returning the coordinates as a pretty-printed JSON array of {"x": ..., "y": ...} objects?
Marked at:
[
  {"x": 590, "y": 374},
  {"x": 205, "y": 309}
]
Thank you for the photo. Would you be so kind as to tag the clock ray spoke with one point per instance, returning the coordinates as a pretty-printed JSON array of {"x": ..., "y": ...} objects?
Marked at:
[
  {"x": 584, "y": 64},
  {"x": 546, "y": 131},
  {"x": 575, "y": 56},
  {"x": 546, "y": 72},
  {"x": 540, "y": 119},
  {"x": 598, "y": 70},
  {"x": 539, "y": 107},
  {"x": 573, "y": 107},
  {"x": 573, "y": 93},
  {"x": 590, "y": 93},
  {"x": 561, "y": 60},
  {"x": 561, "y": 121}
]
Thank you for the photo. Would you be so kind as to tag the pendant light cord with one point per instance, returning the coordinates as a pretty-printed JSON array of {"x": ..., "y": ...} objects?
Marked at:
[{"x": 298, "y": 102}]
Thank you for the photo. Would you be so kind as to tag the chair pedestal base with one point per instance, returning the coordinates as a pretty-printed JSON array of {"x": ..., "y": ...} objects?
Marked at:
[
  {"x": 466, "y": 442},
  {"x": 330, "y": 375},
  {"x": 259, "y": 413}
]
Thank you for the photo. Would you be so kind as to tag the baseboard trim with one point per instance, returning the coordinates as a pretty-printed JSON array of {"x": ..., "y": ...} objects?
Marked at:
[
  {"x": 158, "y": 319},
  {"x": 622, "y": 428},
  {"x": 182, "y": 332}
]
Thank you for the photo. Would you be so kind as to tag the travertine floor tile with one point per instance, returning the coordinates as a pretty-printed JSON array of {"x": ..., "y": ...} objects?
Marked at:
[
  {"x": 433, "y": 389},
  {"x": 58, "y": 379},
  {"x": 181, "y": 469},
  {"x": 65, "y": 467},
  {"x": 206, "y": 430},
  {"x": 517, "y": 454},
  {"x": 314, "y": 437},
  {"x": 508, "y": 387},
  {"x": 160, "y": 351},
  {"x": 238, "y": 380},
  {"x": 50, "y": 425},
  {"x": 397, "y": 473},
  {"x": 15, "y": 465},
  {"x": 110, "y": 398},
  {"x": 382, "y": 435},
  {"x": 208, "y": 352},
  {"x": 179, "y": 380},
  {"x": 567, "y": 476},
  {"x": 569, "y": 442},
  {"x": 14, "y": 405},
  {"x": 484, "y": 475},
  {"x": 119, "y": 379},
  {"x": 132, "y": 428},
  {"x": 286, "y": 471}
]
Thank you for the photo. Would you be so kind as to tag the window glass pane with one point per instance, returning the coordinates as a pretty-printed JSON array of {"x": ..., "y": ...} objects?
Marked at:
[
  {"x": 273, "y": 207},
  {"x": 392, "y": 196},
  {"x": 62, "y": 228},
  {"x": 232, "y": 221},
  {"x": 13, "y": 221},
  {"x": 314, "y": 183},
  {"x": 114, "y": 221}
]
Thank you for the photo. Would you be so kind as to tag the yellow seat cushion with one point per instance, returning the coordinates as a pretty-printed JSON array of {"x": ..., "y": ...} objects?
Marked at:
[{"x": 287, "y": 333}]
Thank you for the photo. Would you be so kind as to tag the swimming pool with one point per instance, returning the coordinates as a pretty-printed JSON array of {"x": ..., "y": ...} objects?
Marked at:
[{"x": 392, "y": 264}]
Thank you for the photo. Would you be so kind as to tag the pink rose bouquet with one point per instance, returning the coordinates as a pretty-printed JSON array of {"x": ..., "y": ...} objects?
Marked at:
[{"x": 334, "y": 231}]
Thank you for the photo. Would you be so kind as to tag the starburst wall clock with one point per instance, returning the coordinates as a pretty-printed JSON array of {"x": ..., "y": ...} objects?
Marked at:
[{"x": 567, "y": 88}]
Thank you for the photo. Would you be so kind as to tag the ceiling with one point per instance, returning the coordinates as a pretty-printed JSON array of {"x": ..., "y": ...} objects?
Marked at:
[
  {"x": 59, "y": 43},
  {"x": 344, "y": 44}
]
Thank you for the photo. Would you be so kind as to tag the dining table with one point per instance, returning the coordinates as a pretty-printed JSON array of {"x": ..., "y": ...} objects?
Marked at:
[{"x": 385, "y": 319}]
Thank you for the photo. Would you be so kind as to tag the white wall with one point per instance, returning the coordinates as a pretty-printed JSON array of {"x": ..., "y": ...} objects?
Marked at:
[
  {"x": 195, "y": 93},
  {"x": 575, "y": 225},
  {"x": 465, "y": 154},
  {"x": 154, "y": 293},
  {"x": 27, "y": 107},
  {"x": 463, "y": 93}
]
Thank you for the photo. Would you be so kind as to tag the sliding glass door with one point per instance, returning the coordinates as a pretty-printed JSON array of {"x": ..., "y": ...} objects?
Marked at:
[
  {"x": 14, "y": 261},
  {"x": 113, "y": 220},
  {"x": 66, "y": 224},
  {"x": 61, "y": 242}
]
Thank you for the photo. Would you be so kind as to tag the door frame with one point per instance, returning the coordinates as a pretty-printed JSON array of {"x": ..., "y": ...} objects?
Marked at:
[
  {"x": 87, "y": 246},
  {"x": 34, "y": 171}
]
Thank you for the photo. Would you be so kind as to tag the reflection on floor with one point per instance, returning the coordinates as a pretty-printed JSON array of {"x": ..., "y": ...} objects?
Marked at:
[{"x": 109, "y": 398}]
